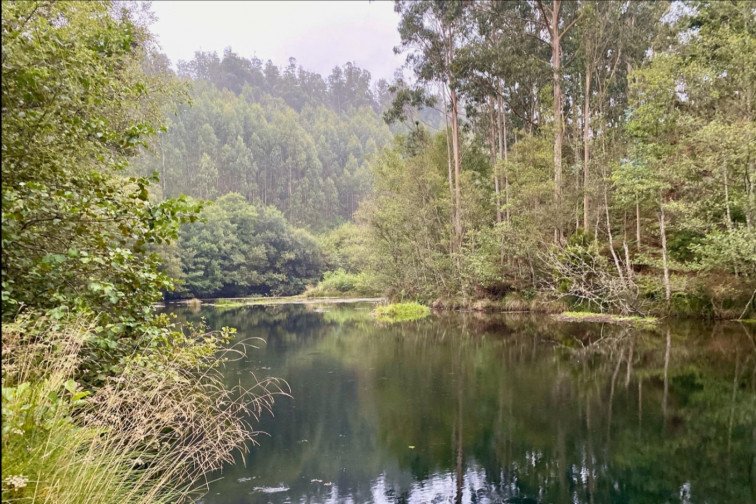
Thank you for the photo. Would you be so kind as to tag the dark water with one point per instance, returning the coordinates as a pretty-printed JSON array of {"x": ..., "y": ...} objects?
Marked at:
[{"x": 463, "y": 408}]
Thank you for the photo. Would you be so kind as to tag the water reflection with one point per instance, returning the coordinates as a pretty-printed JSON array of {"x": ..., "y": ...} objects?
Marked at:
[{"x": 479, "y": 409}]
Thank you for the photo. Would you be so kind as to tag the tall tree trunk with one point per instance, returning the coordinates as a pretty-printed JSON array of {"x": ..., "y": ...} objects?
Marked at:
[
  {"x": 751, "y": 190},
  {"x": 611, "y": 240},
  {"x": 586, "y": 147},
  {"x": 637, "y": 225},
  {"x": 662, "y": 223},
  {"x": 628, "y": 266},
  {"x": 449, "y": 164},
  {"x": 551, "y": 16},
  {"x": 727, "y": 200},
  {"x": 504, "y": 148},
  {"x": 457, "y": 192},
  {"x": 495, "y": 158},
  {"x": 556, "y": 63}
]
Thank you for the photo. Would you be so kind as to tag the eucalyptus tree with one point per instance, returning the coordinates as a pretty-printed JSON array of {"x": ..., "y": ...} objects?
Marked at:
[
  {"x": 557, "y": 21},
  {"x": 433, "y": 31}
]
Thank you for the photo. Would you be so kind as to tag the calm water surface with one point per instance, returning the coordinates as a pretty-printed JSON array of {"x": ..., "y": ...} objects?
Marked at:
[{"x": 476, "y": 409}]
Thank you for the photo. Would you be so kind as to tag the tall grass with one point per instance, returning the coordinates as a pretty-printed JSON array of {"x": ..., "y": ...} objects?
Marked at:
[{"x": 149, "y": 435}]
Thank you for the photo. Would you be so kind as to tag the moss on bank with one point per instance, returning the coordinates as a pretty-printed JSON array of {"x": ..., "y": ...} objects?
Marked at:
[{"x": 401, "y": 312}]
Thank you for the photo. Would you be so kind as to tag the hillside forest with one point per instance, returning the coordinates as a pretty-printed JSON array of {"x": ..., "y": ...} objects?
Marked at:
[{"x": 595, "y": 154}]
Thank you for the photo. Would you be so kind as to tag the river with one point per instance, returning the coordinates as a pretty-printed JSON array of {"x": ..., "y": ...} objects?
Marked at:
[{"x": 472, "y": 408}]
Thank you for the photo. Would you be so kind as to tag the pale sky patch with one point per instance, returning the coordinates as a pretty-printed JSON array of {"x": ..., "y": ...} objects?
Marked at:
[{"x": 319, "y": 34}]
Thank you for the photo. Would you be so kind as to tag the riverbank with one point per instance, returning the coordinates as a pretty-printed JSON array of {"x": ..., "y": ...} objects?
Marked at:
[
  {"x": 687, "y": 305},
  {"x": 269, "y": 301},
  {"x": 512, "y": 302}
]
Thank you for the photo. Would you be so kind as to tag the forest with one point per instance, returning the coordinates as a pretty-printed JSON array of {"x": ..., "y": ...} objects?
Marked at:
[
  {"x": 591, "y": 155},
  {"x": 542, "y": 156}
]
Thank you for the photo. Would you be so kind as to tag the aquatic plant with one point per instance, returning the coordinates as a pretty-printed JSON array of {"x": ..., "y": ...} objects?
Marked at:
[{"x": 401, "y": 312}]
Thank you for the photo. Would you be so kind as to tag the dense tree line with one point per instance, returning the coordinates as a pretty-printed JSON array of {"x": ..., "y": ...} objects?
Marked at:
[
  {"x": 234, "y": 249},
  {"x": 617, "y": 143},
  {"x": 281, "y": 137}
]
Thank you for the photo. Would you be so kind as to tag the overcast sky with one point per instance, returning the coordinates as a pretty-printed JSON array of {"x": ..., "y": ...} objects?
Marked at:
[{"x": 319, "y": 34}]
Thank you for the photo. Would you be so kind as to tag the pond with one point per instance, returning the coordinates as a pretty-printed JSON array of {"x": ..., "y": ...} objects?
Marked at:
[{"x": 471, "y": 408}]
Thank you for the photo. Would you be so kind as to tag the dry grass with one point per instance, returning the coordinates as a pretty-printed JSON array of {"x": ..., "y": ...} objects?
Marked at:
[{"x": 151, "y": 434}]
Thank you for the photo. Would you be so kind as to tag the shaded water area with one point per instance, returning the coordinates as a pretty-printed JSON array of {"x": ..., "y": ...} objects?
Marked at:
[{"x": 493, "y": 408}]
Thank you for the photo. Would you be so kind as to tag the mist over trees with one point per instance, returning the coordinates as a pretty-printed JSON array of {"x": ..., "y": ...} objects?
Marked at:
[{"x": 281, "y": 137}]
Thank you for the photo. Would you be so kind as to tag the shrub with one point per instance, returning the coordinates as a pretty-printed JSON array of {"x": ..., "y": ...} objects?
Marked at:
[{"x": 341, "y": 283}]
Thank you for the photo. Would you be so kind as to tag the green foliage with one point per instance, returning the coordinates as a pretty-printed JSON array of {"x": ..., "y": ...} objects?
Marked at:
[
  {"x": 76, "y": 104},
  {"x": 345, "y": 247},
  {"x": 657, "y": 156},
  {"x": 341, "y": 283},
  {"x": 235, "y": 250},
  {"x": 401, "y": 312}
]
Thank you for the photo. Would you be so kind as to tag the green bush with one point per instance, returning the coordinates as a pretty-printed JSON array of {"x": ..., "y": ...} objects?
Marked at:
[{"x": 341, "y": 283}]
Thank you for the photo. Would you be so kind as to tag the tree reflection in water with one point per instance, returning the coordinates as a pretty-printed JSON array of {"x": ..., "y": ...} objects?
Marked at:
[{"x": 463, "y": 408}]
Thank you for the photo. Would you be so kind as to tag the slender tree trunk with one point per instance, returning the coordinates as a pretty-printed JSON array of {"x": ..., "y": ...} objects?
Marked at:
[
  {"x": 504, "y": 148},
  {"x": 449, "y": 164},
  {"x": 551, "y": 16},
  {"x": 457, "y": 192},
  {"x": 667, "y": 288},
  {"x": 586, "y": 147},
  {"x": 727, "y": 200},
  {"x": 556, "y": 60},
  {"x": 637, "y": 225},
  {"x": 611, "y": 240},
  {"x": 495, "y": 159},
  {"x": 750, "y": 183},
  {"x": 751, "y": 190},
  {"x": 628, "y": 266}
]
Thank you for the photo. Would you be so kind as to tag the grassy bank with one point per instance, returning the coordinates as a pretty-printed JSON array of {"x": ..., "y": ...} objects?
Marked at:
[{"x": 148, "y": 435}]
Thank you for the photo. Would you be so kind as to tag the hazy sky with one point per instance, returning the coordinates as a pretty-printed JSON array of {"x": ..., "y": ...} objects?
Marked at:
[{"x": 319, "y": 34}]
